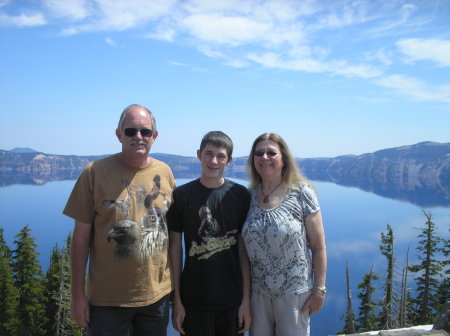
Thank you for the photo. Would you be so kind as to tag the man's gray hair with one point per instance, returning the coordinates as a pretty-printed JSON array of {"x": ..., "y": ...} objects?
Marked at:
[{"x": 125, "y": 111}]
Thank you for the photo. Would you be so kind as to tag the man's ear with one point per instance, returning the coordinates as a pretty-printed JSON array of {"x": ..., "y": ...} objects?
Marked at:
[
  {"x": 155, "y": 134},
  {"x": 199, "y": 154},
  {"x": 229, "y": 160},
  {"x": 119, "y": 134}
]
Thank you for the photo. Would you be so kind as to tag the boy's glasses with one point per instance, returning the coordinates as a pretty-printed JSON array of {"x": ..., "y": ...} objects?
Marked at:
[
  {"x": 269, "y": 153},
  {"x": 131, "y": 132}
]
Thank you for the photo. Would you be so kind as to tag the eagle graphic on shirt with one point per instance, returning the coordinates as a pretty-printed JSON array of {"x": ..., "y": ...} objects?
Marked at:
[{"x": 145, "y": 238}]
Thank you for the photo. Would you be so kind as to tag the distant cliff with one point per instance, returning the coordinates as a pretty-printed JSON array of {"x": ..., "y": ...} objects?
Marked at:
[{"x": 418, "y": 173}]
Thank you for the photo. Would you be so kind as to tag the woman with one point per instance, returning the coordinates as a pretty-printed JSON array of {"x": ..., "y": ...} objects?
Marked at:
[{"x": 285, "y": 242}]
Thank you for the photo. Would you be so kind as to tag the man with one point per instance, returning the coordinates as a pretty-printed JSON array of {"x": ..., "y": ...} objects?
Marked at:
[
  {"x": 119, "y": 205},
  {"x": 212, "y": 293}
]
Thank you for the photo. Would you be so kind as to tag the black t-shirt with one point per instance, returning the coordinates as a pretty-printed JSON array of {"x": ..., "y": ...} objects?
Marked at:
[{"x": 211, "y": 220}]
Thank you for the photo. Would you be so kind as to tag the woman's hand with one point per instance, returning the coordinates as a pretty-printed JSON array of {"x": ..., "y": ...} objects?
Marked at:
[{"x": 314, "y": 302}]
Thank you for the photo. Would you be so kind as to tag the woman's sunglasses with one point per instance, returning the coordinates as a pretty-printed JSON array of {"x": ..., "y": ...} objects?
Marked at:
[
  {"x": 131, "y": 132},
  {"x": 269, "y": 153}
]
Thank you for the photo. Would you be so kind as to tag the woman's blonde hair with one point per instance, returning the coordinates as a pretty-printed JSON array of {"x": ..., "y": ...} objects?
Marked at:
[{"x": 290, "y": 174}]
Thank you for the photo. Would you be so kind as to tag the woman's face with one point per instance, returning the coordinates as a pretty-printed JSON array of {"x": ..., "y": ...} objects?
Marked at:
[{"x": 268, "y": 159}]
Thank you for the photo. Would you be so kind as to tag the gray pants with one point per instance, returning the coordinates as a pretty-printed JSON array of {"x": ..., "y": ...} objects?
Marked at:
[{"x": 279, "y": 316}]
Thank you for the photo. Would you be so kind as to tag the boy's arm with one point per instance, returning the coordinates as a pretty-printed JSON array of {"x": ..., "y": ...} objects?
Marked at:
[
  {"x": 245, "y": 315},
  {"x": 175, "y": 255}
]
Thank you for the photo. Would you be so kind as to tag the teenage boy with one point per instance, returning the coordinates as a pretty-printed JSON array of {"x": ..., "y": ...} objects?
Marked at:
[{"x": 212, "y": 292}]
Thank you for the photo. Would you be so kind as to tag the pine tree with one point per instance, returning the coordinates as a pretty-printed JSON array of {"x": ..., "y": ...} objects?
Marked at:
[
  {"x": 386, "y": 318},
  {"x": 8, "y": 293},
  {"x": 58, "y": 291},
  {"x": 429, "y": 271},
  {"x": 66, "y": 324},
  {"x": 405, "y": 308},
  {"x": 444, "y": 287},
  {"x": 367, "y": 320},
  {"x": 349, "y": 321},
  {"x": 53, "y": 276},
  {"x": 29, "y": 279}
]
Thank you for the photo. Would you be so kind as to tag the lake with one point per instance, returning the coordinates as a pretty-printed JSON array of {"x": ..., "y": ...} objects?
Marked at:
[{"x": 353, "y": 221}]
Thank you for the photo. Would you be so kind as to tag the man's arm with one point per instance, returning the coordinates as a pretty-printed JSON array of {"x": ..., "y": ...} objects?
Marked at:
[
  {"x": 245, "y": 315},
  {"x": 79, "y": 256},
  {"x": 175, "y": 255},
  {"x": 316, "y": 239}
]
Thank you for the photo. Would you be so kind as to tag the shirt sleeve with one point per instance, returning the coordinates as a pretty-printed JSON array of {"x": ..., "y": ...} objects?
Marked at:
[
  {"x": 245, "y": 207},
  {"x": 80, "y": 205},
  {"x": 308, "y": 200},
  {"x": 174, "y": 215}
]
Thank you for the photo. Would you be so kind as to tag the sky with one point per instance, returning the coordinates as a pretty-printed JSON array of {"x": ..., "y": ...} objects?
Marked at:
[{"x": 332, "y": 77}]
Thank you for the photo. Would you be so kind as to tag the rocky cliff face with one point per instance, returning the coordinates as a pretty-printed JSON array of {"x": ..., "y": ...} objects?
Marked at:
[
  {"x": 38, "y": 168},
  {"x": 409, "y": 172},
  {"x": 418, "y": 173}
]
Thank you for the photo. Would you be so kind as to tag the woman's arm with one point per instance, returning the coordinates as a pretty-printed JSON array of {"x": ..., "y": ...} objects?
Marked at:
[{"x": 316, "y": 239}]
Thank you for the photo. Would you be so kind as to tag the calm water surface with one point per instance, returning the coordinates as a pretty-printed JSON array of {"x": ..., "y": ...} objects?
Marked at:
[{"x": 353, "y": 221}]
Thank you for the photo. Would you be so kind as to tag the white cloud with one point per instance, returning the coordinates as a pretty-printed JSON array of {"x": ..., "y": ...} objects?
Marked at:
[
  {"x": 178, "y": 64},
  {"x": 310, "y": 64},
  {"x": 382, "y": 55},
  {"x": 163, "y": 34},
  {"x": 23, "y": 20},
  {"x": 111, "y": 42},
  {"x": 304, "y": 36},
  {"x": 343, "y": 14},
  {"x": 415, "y": 88},
  {"x": 232, "y": 31},
  {"x": 71, "y": 9},
  {"x": 359, "y": 247},
  {"x": 119, "y": 15},
  {"x": 426, "y": 49}
]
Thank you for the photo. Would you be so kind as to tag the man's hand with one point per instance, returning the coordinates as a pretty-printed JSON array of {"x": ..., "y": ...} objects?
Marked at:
[{"x": 79, "y": 309}]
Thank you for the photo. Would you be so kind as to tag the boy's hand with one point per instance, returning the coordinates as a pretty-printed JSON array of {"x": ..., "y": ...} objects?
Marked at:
[
  {"x": 178, "y": 315},
  {"x": 244, "y": 318}
]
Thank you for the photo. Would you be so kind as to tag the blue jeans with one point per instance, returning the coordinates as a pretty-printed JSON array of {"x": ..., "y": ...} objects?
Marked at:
[{"x": 133, "y": 321}]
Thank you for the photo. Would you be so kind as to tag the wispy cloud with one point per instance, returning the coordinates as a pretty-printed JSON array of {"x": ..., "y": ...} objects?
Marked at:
[
  {"x": 426, "y": 49},
  {"x": 31, "y": 19},
  {"x": 311, "y": 64},
  {"x": 178, "y": 64},
  {"x": 111, "y": 42},
  {"x": 300, "y": 36},
  {"x": 415, "y": 88},
  {"x": 104, "y": 15},
  {"x": 73, "y": 10},
  {"x": 359, "y": 247}
]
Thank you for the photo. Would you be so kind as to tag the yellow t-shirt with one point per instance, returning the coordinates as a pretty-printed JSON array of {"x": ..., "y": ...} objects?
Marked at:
[{"x": 128, "y": 257}]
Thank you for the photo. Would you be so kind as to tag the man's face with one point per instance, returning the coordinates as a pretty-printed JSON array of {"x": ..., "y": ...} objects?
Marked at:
[
  {"x": 214, "y": 160},
  {"x": 137, "y": 145}
]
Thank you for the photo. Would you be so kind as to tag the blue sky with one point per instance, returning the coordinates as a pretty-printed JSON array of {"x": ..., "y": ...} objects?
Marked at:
[{"x": 331, "y": 77}]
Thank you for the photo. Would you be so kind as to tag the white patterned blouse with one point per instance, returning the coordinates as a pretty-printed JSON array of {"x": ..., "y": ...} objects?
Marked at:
[{"x": 277, "y": 244}]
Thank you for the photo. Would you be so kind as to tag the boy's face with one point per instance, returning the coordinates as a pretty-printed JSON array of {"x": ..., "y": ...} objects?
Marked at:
[{"x": 214, "y": 160}]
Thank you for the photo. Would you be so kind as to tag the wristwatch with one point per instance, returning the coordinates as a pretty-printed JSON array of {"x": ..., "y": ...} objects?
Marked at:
[{"x": 321, "y": 289}]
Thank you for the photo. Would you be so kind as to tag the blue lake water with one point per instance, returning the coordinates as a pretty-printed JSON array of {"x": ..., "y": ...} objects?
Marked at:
[{"x": 353, "y": 221}]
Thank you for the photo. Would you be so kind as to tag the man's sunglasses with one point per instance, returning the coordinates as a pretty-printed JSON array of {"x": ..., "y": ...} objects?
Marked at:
[
  {"x": 131, "y": 132},
  {"x": 269, "y": 153}
]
